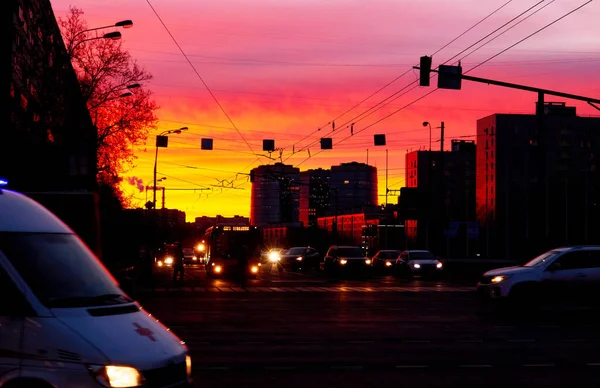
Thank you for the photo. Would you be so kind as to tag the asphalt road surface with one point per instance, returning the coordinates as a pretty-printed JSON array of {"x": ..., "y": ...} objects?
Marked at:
[{"x": 301, "y": 330}]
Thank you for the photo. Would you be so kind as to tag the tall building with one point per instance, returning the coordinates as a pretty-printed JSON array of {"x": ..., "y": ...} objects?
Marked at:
[
  {"x": 353, "y": 186},
  {"x": 537, "y": 189},
  {"x": 314, "y": 196},
  {"x": 442, "y": 204},
  {"x": 275, "y": 197},
  {"x": 47, "y": 140}
]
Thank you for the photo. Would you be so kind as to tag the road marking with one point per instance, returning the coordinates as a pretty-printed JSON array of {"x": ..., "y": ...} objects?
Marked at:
[
  {"x": 251, "y": 342},
  {"x": 521, "y": 340},
  {"x": 470, "y": 341},
  {"x": 593, "y": 364},
  {"x": 308, "y": 342},
  {"x": 476, "y": 366},
  {"x": 348, "y": 367},
  {"x": 214, "y": 368},
  {"x": 417, "y": 341},
  {"x": 411, "y": 366},
  {"x": 538, "y": 365},
  {"x": 361, "y": 342},
  {"x": 573, "y": 340},
  {"x": 281, "y": 367}
]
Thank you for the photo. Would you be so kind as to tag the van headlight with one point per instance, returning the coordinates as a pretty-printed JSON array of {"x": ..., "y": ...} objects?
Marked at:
[
  {"x": 188, "y": 366},
  {"x": 117, "y": 375}
]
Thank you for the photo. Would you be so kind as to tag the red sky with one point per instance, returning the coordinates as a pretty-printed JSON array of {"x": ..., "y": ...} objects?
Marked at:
[{"x": 283, "y": 69}]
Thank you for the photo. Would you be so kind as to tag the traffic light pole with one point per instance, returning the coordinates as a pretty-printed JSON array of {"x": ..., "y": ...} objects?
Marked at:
[{"x": 425, "y": 70}]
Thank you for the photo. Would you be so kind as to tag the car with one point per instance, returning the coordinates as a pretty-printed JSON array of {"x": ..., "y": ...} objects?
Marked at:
[
  {"x": 385, "y": 259},
  {"x": 421, "y": 263},
  {"x": 343, "y": 258},
  {"x": 566, "y": 273},
  {"x": 298, "y": 258},
  {"x": 189, "y": 256},
  {"x": 60, "y": 304}
]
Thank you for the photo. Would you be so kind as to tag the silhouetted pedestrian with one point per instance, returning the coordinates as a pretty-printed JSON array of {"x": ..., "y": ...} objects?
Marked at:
[{"x": 178, "y": 262}]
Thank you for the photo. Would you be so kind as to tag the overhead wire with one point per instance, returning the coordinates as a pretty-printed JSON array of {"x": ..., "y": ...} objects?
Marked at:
[
  {"x": 480, "y": 64},
  {"x": 375, "y": 108},
  {"x": 202, "y": 80}
]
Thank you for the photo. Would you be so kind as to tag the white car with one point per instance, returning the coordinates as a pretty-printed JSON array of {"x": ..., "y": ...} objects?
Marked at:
[
  {"x": 555, "y": 274},
  {"x": 420, "y": 263},
  {"x": 64, "y": 321}
]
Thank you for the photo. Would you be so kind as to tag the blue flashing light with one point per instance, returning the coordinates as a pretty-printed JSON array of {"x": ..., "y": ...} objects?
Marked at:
[{"x": 3, "y": 182}]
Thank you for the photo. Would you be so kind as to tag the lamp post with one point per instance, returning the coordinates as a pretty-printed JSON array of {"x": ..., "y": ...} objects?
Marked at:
[
  {"x": 426, "y": 123},
  {"x": 122, "y": 95},
  {"x": 115, "y": 35},
  {"x": 162, "y": 141}
]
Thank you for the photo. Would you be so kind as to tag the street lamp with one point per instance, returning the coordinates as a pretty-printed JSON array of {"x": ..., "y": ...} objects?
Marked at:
[
  {"x": 122, "y": 95},
  {"x": 114, "y": 35},
  {"x": 162, "y": 141},
  {"x": 426, "y": 123}
]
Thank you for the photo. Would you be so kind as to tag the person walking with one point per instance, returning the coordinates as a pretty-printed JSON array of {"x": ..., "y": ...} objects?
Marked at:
[{"x": 178, "y": 263}]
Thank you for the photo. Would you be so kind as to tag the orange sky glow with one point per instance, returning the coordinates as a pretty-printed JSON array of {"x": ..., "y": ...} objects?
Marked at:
[{"x": 283, "y": 69}]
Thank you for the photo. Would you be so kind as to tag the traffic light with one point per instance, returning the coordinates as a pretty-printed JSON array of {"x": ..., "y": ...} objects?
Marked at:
[
  {"x": 269, "y": 145},
  {"x": 424, "y": 70},
  {"x": 379, "y": 140},
  {"x": 206, "y": 144},
  {"x": 326, "y": 143}
]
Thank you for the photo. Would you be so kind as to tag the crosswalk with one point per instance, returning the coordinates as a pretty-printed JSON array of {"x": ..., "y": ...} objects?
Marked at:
[{"x": 288, "y": 289}]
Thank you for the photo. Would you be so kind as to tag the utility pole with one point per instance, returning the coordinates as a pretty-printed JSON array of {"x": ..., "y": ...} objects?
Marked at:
[
  {"x": 386, "y": 177},
  {"x": 442, "y": 186}
]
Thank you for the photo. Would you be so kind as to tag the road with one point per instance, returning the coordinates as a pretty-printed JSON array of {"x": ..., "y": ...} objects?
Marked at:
[{"x": 297, "y": 330}]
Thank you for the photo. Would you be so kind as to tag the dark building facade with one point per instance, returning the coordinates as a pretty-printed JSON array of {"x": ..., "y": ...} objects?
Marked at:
[
  {"x": 353, "y": 186},
  {"x": 537, "y": 189},
  {"x": 314, "y": 196},
  {"x": 47, "y": 140},
  {"x": 275, "y": 197},
  {"x": 439, "y": 208}
]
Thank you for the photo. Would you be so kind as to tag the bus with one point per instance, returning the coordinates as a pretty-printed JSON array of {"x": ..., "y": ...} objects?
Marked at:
[{"x": 220, "y": 243}]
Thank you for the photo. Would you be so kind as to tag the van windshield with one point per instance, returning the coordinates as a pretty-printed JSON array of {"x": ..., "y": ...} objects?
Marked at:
[{"x": 60, "y": 270}]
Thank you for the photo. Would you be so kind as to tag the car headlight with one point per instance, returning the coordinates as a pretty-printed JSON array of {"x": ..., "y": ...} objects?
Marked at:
[
  {"x": 368, "y": 261},
  {"x": 254, "y": 269},
  {"x": 417, "y": 266},
  {"x": 188, "y": 367},
  {"x": 439, "y": 265},
  {"x": 498, "y": 279},
  {"x": 117, "y": 375},
  {"x": 299, "y": 258},
  {"x": 159, "y": 263},
  {"x": 169, "y": 260},
  {"x": 273, "y": 257},
  {"x": 342, "y": 262},
  {"x": 388, "y": 263},
  {"x": 194, "y": 258}
]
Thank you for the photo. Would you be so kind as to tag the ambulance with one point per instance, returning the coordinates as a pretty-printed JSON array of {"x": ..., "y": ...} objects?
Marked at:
[{"x": 64, "y": 321}]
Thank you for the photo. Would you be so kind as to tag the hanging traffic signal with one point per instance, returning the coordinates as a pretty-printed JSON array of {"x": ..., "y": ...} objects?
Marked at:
[
  {"x": 326, "y": 143},
  {"x": 424, "y": 70}
]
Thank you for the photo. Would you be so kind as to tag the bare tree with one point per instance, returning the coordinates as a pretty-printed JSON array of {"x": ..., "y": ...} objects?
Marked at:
[{"x": 110, "y": 83}]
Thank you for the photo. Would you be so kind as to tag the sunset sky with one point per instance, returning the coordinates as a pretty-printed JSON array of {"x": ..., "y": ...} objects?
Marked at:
[{"x": 281, "y": 69}]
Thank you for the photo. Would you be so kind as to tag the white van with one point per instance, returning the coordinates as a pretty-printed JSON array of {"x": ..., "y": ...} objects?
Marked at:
[{"x": 64, "y": 321}]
